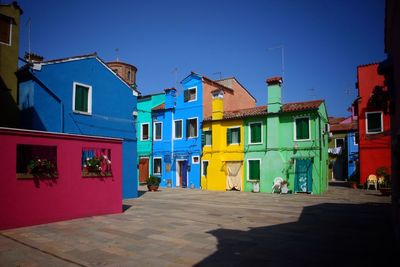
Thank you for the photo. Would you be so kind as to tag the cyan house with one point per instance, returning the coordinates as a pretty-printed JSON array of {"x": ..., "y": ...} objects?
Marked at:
[
  {"x": 145, "y": 133},
  {"x": 82, "y": 95}
]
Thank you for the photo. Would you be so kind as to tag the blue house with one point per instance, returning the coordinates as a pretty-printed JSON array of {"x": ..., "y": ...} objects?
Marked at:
[
  {"x": 353, "y": 157},
  {"x": 82, "y": 95},
  {"x": 177, "y": 134}
]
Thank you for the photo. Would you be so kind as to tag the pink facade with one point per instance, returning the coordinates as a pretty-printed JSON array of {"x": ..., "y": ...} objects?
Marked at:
[{"x": 70, "y": 195}]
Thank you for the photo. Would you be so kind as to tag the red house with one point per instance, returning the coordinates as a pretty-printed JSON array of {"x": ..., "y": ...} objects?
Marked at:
[{"x": 372, "y": 107}]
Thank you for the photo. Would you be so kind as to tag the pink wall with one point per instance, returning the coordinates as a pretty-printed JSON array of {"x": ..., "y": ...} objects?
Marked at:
[{"x": 26, "y": 202}]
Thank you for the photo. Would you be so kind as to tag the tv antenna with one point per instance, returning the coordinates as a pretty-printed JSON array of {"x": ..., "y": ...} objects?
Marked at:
[
  {"x": 117, "y": 53},
  {"x": 220, "y": 74}
]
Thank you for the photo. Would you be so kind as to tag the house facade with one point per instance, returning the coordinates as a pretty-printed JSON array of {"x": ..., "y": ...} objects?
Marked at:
[
  {"x": 145, "y": 133},
  {"x": 177, "y": 123},
  {"x": 373, "y": 121},
  {"x": 81, "y": 95},
  {"x": 9, "y": 45},
  {"x": 278, "y": 140}
]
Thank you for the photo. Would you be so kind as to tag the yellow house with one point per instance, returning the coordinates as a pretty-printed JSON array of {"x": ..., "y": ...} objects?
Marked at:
[{"x": 223, "y": 150}]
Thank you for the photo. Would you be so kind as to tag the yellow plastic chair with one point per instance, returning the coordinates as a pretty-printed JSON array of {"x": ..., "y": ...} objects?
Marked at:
[{"x": 372, "y": 180}]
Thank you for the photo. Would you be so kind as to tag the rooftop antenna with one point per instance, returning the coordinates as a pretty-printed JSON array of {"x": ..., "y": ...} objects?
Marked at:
[
  {"x": 312, "y": 92},
  {"x": 175, "y": 71},
  {"x": 28, "y": 22},
  {"x": 117, "y": 53},
  {"x": 220, "y": 74},
  {"x": 282, "y": 58}
]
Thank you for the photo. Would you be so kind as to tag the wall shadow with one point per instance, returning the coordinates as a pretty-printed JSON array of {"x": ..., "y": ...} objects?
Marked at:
[{"x": 324, "y": 235}]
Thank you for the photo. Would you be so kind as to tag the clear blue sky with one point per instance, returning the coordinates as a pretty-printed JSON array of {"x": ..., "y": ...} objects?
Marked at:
[{"x": 324, "y": 41}]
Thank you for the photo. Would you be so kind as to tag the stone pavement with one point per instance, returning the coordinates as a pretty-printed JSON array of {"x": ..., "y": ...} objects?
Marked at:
[{"x": 183, "y": 227}]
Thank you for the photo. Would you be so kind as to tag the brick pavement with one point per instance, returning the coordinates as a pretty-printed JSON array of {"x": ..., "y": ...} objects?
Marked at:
[{"x": 183, "y": 227}]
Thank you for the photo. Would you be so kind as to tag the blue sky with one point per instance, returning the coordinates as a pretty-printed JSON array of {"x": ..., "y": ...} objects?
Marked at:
[{"x": 324, "y": 41}]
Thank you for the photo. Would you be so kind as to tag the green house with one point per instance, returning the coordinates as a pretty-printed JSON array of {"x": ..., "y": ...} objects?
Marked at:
[
  {"x": 145, "y": 132},
  {"x": 289, "y": 141}
]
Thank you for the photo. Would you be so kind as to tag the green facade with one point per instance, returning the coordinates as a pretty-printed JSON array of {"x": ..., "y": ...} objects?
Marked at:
[
  {"x": 279, "y": 151},
  {"x": 144, "y": 106}
]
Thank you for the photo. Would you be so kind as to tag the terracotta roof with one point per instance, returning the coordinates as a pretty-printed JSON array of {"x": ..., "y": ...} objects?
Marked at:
[
  {"x": 159, "y": 107},
  {"x": 344, "y": 127},
  {"x": 262, "y": 110},
  {"x": 335, "y": 120},
  {"x": 225, "y": 88},
  {"x": 273, "y": 80},
  {"x": 367, "y": 65}
]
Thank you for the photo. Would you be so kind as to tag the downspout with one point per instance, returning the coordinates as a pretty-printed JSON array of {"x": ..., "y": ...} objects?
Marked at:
[{"x": 172, "y": 145}]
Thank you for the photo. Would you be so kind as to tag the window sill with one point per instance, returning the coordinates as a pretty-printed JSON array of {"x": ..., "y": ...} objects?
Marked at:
[
  {"x": 254, "y": 144},
  {"x": 302, "y": 140},
  {"x": 82, "y": 113},
  {"x": 96, "y": 174},
  {"x": 31, "y": 176}
]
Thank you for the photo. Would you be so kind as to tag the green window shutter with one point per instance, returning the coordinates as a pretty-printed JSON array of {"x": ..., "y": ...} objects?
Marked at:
[
  {"x": 302, "y": 130},
  {"x": 228, "y": 136},
  {"x": 254, "y": 170},
  {"x": 203, "y": 138},
  {"x": 81, "y": 98},
  {"x": 238, "y": 131},
  {"x": 255, "y": 133}
]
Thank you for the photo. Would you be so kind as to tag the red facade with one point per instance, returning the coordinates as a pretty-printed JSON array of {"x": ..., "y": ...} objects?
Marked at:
[
  {"x": 373, "y": 121},
  {"x": 67, "y": 195}
]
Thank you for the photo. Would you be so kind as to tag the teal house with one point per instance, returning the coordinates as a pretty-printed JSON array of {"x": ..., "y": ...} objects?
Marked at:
[
  {"x": 287, "y": 141},
  {"x": 145, "y": 132}
]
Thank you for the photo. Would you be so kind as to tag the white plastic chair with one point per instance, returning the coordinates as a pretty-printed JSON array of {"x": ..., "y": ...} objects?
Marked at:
[
  {"x": 372, "y": 180},
  {"x": 277, "y": 184}
]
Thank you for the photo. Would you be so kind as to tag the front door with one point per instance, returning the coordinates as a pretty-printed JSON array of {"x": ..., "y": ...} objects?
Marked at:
[
  {"x": 234, "y": 175},
  {"x": 303, "y": 176},
  {"x": 143, "y": 170},
  {"x": 182, "y": 172}
]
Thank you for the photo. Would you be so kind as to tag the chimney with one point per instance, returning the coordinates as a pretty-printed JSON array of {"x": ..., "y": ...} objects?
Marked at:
[
  {"x": 170, "y": 94},
  {"x": 274, "y": 94},
  {"x": 217, "y": 104}
]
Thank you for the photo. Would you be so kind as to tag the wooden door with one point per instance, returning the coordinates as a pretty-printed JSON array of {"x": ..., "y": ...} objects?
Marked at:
[
  {"x": 303, "y": 176},
  {"x": 143, "y": 170}
]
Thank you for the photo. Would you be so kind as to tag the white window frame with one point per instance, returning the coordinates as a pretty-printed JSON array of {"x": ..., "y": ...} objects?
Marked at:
[
  {"x": 74, "y": 84},
  {"x": 234, "y": 127},
  {"x": 295, "y": 128},
  {"x": 197, "y": 126},
  {"x": 354, "y": 139},
  {"x": 195, "y": 98},
  {"x": 202, "y": 166},
  {"x": 10, "y": 37},
  {"x": 341, "y": 138},
  {"x": 248, "y": 169},
  {"x": 141, "y": 131},
  {"x": 249, "y": 133},
  {"x": 205, "y": 138},
  {"x": 155, "y": 129},
  {"x": 366, "y": 122},
  {"x": 198, "y": 160},
  {"x": 173, "y": 130},
  {"x": 161, "y": 162}
]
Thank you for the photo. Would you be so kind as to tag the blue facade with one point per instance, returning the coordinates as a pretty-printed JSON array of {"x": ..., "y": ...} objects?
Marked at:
[
  {"x": 180, "y": 151},
  {"x": 352, "y": 155},
  {"x": 46, "y": 102}
]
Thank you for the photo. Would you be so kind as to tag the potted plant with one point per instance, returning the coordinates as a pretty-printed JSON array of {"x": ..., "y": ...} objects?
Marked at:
[
  {"x": 42, "y": 167},
  {"x": 153, "y": 182},
  {"x": 384, "y": 181}
]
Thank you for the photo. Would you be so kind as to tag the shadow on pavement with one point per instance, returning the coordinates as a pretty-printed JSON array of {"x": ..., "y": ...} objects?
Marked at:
[{"x": 324, "y": 235}]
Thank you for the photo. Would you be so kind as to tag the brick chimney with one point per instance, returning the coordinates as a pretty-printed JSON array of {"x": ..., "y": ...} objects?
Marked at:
[
  {"x": 274, "y": 94},
  {"x": 217, "y": 104},
  {"x": 170, "y": 94}
]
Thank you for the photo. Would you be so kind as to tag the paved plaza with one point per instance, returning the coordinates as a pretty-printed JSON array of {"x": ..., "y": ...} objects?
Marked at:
[{"x": 184, "y": 227}]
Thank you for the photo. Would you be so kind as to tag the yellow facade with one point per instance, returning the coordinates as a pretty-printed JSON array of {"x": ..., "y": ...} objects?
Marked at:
[{"x": 220, "y": 154}]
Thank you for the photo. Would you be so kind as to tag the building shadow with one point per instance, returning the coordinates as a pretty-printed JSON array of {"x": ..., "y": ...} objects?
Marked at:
[
  {"x": 324, "y": 235},
  {"x": 125, "y": 207}
]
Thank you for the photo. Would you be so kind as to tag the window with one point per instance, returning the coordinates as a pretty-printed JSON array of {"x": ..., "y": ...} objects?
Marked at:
[
  {"x": 302, "y": 128},
  {"x": 374, "y": 122},
  {"x": 157, "y": 166},
  {"x": 191, "y": 128},
  {"x": 190, "y": 94},
  {"x": 204, "y": 167},
  {"x": 144, "y": 132},
  {"x": 339, "y": 142},
  {"x": 157, "y": 131},
  {"x": 207, "y": 138},
  {"x": 5, "y": 30},
  {"x": 96, "y": 162},
  {"x": 255, "y": 135},
  {"x": 178, "y": 129},
  {"x": 128, "y": 76},
  {"x": 82, "y": 98},
  {"x": 253, "y": 170},
  {"x": 195, "y": 160},
  {"x": 233, "y": 136},
  {"x": 36, "y": 161}
]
